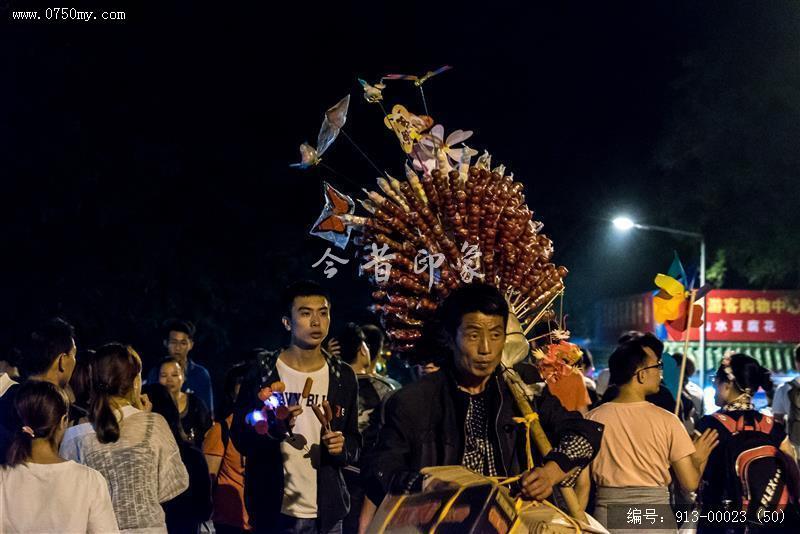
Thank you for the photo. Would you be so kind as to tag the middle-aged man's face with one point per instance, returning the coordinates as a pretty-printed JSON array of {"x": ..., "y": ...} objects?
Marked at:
[
  {"x": 479, "y": 344},
  {"x": 179, "y": 344},
  {"x": 310, "y": 321}
]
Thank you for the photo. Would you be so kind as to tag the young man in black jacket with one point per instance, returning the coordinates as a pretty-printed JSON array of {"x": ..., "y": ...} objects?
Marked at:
[
  {"x": 293, "y": 474},
  {"x": 464, "y": 414}
]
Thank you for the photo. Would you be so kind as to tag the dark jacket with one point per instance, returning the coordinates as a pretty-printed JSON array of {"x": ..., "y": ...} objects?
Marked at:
[
  {"x": 263, "y": 486},
  {"x": 196, "y": 420},
  {"x": 186, "y": 512},
  {"x": 424, "y": 426},
  {"x": 9, "y": 420}
]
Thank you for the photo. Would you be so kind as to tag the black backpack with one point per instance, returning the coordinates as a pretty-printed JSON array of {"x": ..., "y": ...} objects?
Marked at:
[{"x": 760, "y": 477}]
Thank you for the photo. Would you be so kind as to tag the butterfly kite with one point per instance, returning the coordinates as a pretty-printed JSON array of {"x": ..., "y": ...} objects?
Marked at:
[
  {"x": 671, "y": 300},
  {"x": 329, "y": 225},
  {"x": 418, "y": 80},
  {"x": 333, "y": 122}
]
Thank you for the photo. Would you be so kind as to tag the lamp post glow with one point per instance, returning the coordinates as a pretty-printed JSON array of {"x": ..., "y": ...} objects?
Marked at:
[{"x": 625, "y": 223}]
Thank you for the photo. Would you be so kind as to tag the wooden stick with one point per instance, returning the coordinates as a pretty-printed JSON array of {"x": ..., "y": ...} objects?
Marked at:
[
  {"x": 685, "y": 351},
  {"x": 539, "y": 315},
  {"x": 539, "y": 438},
  {"x": 321, "y": 417}
]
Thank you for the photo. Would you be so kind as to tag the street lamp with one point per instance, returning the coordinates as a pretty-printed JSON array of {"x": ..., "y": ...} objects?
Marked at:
[{"x": 626, "y": 223}]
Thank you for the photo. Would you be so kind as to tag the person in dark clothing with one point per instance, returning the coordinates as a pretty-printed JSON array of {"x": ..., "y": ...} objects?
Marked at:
[
  {"x": 293, "y": 475},
  {"x": 736, "y": 381},
  {"x": 81, "y": 387},
  {"x": 189, "y": 510},
  {"x": 179, "y": 336},
  {"x": 373, "y": 389},
  {"x": 464, "y": 414},
  {"x": 195, "y": 415},
  {"x": 50, "y": 356}
]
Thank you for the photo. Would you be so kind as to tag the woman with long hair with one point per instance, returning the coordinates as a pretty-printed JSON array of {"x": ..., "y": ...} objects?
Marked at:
[
  {"x": 133, "y": 448},
  {"x": 186, "y": 512},
  {"x": 39, "y": 490}
]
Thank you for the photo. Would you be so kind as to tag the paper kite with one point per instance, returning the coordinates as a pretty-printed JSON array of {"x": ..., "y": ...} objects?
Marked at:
[
  {"x": 418, "y": 80},
  {"x": 333, "y": 122},
  {"x": 329, "y": 225}
]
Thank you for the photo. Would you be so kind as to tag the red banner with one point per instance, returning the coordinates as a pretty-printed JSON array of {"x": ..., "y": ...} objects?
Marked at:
[
  {"x": 741, "y": 315},
  {"x": 731, "y": 315}
]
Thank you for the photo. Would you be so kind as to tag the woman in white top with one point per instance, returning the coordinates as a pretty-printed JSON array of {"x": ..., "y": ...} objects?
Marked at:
[
  {"x": 39, "y": 491},
  {"x": 132, "y": 448}
]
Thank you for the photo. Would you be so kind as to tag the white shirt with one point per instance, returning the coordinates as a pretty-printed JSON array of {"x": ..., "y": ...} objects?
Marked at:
[
  {"x": 301, "y": 452},
  {"x": 5, "y": 383},
  {"x": 143, "y": 467},
  {"x": 66, "y": 498},
  {"x": 780, "y": 403},
  {"x": 602, "y": 381}
]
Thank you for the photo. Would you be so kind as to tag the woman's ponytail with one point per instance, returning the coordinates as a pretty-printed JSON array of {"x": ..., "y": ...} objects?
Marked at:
[
  {"x": 41, "y": 407},
  {"x": 114, "y": 371}
]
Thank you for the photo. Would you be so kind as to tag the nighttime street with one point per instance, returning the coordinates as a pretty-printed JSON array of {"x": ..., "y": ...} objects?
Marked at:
[{"x": 400, "y": 267}]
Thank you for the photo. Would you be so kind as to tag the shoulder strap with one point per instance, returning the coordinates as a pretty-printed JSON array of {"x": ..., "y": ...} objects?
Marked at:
[
  {"x": 729, "y": 423},
  {"x": 765, "y": 424}
]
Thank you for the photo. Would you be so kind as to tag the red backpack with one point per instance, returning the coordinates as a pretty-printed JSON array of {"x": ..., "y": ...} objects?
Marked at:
[{"x": 764, "y": 477}]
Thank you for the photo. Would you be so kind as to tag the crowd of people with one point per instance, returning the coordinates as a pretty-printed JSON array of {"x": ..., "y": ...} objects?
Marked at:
[{"x": 89, "y": 446}]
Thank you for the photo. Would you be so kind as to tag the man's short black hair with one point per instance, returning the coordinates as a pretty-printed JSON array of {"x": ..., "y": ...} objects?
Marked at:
[
  {"x": 626, "y": 359},
  {"x": 350, "y": 339},
  {"x": 179, "y": 325},
  {"x": 302, "y": 288},
  {"x": 648, "y": 339},
  {"x": 691, "y": 366},
  {"x": 478, "y": 297},
  {"x": 51, "y": 339}
]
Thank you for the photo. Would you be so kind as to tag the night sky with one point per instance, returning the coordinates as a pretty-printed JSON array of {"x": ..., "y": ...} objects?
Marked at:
[{"x": 145, "y": 163}]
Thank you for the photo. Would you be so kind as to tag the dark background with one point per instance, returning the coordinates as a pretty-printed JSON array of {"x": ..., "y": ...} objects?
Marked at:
[{"x": 145, "y": 163}]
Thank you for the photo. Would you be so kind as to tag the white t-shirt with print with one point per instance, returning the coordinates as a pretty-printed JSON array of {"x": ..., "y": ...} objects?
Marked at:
[{"x": 301, "y": 451}]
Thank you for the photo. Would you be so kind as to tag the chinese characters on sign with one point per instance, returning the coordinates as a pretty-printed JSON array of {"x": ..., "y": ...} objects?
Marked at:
[
  {"x": 740, "y": 315},
  {"x": 330, "y": 269},
  {"x": 428, "y": 261},
  {"x": 730, "y": 315},
  {"x": 380, "y": 263}
]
